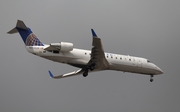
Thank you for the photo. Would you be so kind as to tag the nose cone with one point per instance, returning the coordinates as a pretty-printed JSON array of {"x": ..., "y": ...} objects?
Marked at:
[{"x": 158, "y": 71}]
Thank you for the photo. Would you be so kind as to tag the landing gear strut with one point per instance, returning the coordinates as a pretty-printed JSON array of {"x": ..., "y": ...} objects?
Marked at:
[{"x": 151, "y": 79}]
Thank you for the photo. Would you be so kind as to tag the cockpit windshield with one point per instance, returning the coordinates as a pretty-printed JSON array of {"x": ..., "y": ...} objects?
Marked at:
[{"x": 148, "y": 61}]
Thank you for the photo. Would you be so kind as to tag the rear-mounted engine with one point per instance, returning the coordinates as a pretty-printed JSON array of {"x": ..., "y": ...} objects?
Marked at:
[{"x": 63, "y": 46}]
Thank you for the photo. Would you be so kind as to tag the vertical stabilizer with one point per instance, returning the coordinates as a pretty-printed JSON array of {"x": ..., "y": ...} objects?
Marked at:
[{"x": 27, "y": 35}]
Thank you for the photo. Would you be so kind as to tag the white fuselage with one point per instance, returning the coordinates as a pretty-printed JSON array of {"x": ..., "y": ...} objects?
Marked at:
[{"x": 80, "y": 58}]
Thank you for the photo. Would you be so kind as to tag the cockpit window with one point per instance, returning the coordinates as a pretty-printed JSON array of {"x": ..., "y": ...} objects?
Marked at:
[{"x": 148, "y": 61}]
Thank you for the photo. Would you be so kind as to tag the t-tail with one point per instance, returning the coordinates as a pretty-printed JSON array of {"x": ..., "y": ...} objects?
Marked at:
[{"x": 27, "y": 35}]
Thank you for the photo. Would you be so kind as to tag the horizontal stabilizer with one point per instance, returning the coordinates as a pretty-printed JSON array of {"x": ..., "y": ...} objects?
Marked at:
[
  {"x": 14, "y": 30},
  {"x": 20, "y": 24}
]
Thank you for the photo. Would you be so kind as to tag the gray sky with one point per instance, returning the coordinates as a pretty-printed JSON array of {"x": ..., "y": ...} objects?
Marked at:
[{"x": 145, "y": 28}]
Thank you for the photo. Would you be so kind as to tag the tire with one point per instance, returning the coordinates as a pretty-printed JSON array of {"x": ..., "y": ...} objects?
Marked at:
[
  {"x": 92, "y": 68},
  {"x": 85, "y": 74},
  {"x": 151, "y": 80}
]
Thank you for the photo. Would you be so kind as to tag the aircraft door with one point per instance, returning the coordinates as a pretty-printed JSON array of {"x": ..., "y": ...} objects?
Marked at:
[{"x": 139, "y": 63}]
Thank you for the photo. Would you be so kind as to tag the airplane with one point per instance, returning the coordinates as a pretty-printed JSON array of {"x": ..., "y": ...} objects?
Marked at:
[{"x": 93, "y": 60}]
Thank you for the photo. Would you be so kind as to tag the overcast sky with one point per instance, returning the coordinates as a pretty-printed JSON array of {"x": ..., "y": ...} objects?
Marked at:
[{"x": 145, "y": 28}]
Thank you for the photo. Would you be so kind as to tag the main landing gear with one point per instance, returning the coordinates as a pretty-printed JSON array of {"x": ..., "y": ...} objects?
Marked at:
[
  {"x": 92, "y": 67},
  {"x": 151, "y": 79},
  {"x": 85, "y": 74}
]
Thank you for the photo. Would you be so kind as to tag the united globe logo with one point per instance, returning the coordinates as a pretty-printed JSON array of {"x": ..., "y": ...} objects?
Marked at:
[{"x": 32, "y": 40}]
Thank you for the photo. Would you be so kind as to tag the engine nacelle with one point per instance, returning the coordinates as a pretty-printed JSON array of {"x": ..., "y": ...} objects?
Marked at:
[{"x": 63, "y": 46}]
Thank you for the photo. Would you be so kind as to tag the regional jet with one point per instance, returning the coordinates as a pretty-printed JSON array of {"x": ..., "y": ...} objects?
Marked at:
[{"x": 87, "y": 61}]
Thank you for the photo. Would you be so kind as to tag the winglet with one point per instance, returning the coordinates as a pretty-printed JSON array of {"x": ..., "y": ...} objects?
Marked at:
[
  {"x": 93, "y": 33},
  {"x": 50, "y": 74}
]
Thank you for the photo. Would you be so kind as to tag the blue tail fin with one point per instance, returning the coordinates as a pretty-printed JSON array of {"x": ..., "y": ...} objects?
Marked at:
[{"x": 27, "y": 35}]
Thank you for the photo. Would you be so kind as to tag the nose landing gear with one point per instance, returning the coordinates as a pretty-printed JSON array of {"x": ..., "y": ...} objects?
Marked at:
[{"x": 151, "y": 79}]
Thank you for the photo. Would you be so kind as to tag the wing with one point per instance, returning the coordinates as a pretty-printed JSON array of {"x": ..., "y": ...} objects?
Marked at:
[
  {"x": 77, "y": 72},
  {"x": 97, "y": 54},
  {"x": 97, "y": 58}
]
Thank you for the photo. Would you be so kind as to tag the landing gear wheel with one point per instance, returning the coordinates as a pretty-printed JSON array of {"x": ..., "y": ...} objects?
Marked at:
[
  {"x": 151, "y": 80},
  {"x": 92, "y": 68},
  {"x": 85, "y": 74}
]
